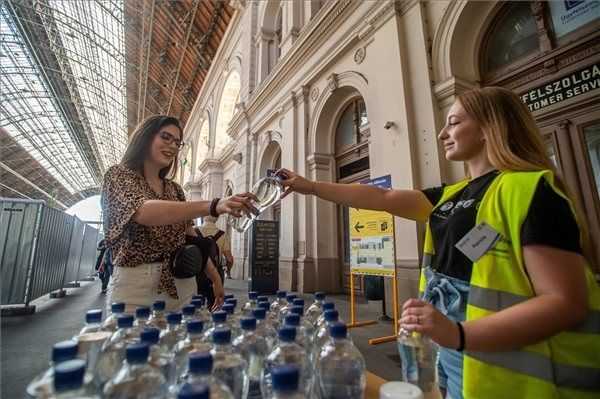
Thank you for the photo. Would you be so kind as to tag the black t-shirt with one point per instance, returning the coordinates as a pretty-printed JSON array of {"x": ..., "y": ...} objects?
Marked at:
[{"x": 549, "y": 222}]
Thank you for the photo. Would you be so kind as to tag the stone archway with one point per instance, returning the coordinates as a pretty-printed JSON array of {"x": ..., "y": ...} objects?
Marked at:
[{"x": 229, "y": 98}]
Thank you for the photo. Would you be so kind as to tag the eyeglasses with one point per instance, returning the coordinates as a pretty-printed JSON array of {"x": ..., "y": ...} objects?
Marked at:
[{"x": 168, "y": 138}]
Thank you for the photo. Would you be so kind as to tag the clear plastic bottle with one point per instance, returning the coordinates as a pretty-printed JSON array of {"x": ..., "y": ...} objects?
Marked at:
[
  {"x": 174, "y": 332},
  {"x": 194, "y": 391},
  {"x": 322, "y": 336},
  {"x": 233, "y": 320},
  {"x": 110, "y": 323},
  {"x": 195, "y": 341},
  {"x": 418, "y": 358},
  {"x": 279, "y": 302},
  {"x": 113, "y": 351},
  {"x": 341, "y": 368},
  {"x": 233, "y": 302},
  {"x": 264, "y": 328},
  {"x": 142, "y": 317},
  {"x": 316, "y": 308},
  {"x": 272, "y": 317},
  {"x": 228, "y": 296},
  {"x": 283, "y": 311},
  {"x": 91, "y": 338},
  {"x": 159, "y": 357},
  {"x": 219, "y": 320},
  {"x": 158, "y": 319},
  {"x": 287, "y": 351},
  {"x": 136, "y": 379},
  {"x": 302, "y": 337},
  {"x": 250, "y": 304},
  {"x": 254, "y": 348},
  {"x": 201, "y": 312},
  {"x": 199, "y": 371},
  {"x": 229, "y": 366},
  {"x": 262, "y": 298},
  {"x": 68, "y": 381},
  {"x": 189, "y": 314},
  {"x": 307, "y": 327},
  {"x": 268, "y": 191},
  {"x": 321, "y": 320},
  {"x": 285, "y": 382},
  {"x": 42, "y": 386}
]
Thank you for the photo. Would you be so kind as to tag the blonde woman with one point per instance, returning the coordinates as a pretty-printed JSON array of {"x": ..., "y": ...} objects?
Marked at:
[
  {"x": 515, "y": 308},
  {"x": 146, "y": 219}
]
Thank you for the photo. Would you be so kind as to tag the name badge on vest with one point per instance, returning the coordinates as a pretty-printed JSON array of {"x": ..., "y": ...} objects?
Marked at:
[{"x": 478, "y": 241}]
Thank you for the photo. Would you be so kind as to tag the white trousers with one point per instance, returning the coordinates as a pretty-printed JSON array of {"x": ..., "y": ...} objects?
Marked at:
[{"x": 138, "y": 286}]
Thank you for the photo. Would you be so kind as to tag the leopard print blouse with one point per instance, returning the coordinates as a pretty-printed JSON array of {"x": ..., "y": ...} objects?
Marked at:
[{"x": 123, "y": 193}]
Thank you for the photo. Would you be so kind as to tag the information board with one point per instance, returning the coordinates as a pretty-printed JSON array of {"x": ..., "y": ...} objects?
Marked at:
[
  {"x": 264, "y": 256},
  {"x": 372, "y": 250}
]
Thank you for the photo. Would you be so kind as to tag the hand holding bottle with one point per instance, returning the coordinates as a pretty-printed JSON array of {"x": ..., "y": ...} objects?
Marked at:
[
  {"x": 237, "y": 204},
  {"x": 422, "y": 317},
  {"x": 295, "y": 183}
]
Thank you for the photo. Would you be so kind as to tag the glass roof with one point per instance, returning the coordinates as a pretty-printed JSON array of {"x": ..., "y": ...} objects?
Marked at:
[{"x": 87, "y": 39}]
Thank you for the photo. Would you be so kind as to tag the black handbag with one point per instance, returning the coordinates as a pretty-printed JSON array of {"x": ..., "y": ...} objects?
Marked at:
[{"x": 188, "y": 261}]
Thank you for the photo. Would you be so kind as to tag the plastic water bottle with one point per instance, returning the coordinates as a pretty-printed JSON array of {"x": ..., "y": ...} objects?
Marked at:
[
  {"x": 233, "y": 302},
  {"x": 194, "y": 341},
  {"x": 113, "y": 351},
  {"x": 271, "y": 317},
  {"x": 287, "y": 351},
  {"x": 189, "y": 314},
  {"x": 285, "y": 382},
  {"x": 302, "y": 337},
  {"x": 159, "y": 357},
  {"x": 201, "y": 312},
  {"x": 196, "y": 391},
  {"x": 91, "y": 338},
  {"x": 321, "y": 320},
  {"x": 42, "y": 386},
  {"x": 228, "y": 296},
  {"x": 233, "y": 320},
  {"x": 264, "y": 328},
  {"x": 68, "y": 381},
  {"x": 279, "y": 302},
  {"x": 307, "y": 327},
  {"x": 219, "y": 320},
  {"x": 229, "y": 366},
  {"x": 173, "y": 333},
  {"x": 418, "y": 357},
  {"x": 137, "y": 378},
  {"x": 251, "y": 304},
  {"x": 341, "y": 368},
  {"x": 262, "y": 298},
  {"x": 283, "y": 311},
  {"x": 199, "y": 371},
  {"x": 110, "y": 323},
  {"x": 254, "y": 349},
  {"x": 142, "y": 317},
  {"x": 322, "y": 336},
  {"x": 158, "y": 319},
  {"x": 268, "y": 191},
  {"x": 316, "y": 308}
]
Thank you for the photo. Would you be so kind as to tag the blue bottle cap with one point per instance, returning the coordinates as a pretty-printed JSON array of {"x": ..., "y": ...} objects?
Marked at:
[
  {"x": 194, "y": 391},
  {"x": 228, "y": 308},
  {"x": 331, "y": 315},
  {"x": 287, "y": 333},
  {"x": 198, "y": 303},
  {"x": 125, "y": 321},
  {"x": 328, "y": 306},
  {"x": 174, "y": 318},
  {"x": 228, "y": 296},
  {"x": 198, "y": 297},
  {"x": 338, "y": 330},
  {"x": 137, "y": 353},
  {"x": 319, "y": 296},
  {"x": 150, "y": 335},
  {"x": 262, "y": 298},
  {"x": 117, "y": 307},
  {"x": 142, "y": 312},
  {"x": 195, "y": 327},
  {"x": 221, "y": 336},
  {"x": 200, "y": 362},
  {"x": 259, "y": 314},
  {"x": 290, "y": 297},
  {"x": 281, "y": 294},
  {"x": 285, "y": 378},
  {"x": 252, "y": 295},
  {"x": 64, "y": 350},
  {"x": 298, "y": 302},
  {"x": 292, "y": 320},
  {"x": 231, "y": 301},
  {"x": 299, "y": 310},
  {"x": 248, "y": 323},
  {"x": 93, "y": 316},
  {"x": 219, "y": 316},
  {"x": 264, "y": 305},
  {"x": 188, "y": 310},
  {"x": 69, "y": 375},
  {"x": 159, "y": 306}
]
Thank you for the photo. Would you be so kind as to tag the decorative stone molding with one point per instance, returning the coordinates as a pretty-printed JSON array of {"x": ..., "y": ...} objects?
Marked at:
[
  {"x": 332, "y": 82},
  {"x": 318, "y": 161},
  {"x": 314, "y": 94},
  {"x": 238, "y": 4},
  {"x": 359, "y": 55},
  {"x": 237, "y": 157},
  {"x": 448, "y": 89}
]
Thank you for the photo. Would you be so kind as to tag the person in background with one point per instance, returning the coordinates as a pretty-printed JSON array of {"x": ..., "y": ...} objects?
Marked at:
[
  {"x": 147, "y": 217},
  {"x": 507, "y": 288},
  {"x": 104, "y": 264},
  {"x": 209, "y": 229}
]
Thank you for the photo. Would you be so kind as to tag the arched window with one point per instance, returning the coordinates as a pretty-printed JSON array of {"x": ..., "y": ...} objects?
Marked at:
[
  {"x": 513, "y": 38},
  {"x": 229, "y": 98}
]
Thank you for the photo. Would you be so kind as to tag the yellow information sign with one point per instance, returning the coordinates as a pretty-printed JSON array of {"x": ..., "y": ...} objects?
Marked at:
[{"x": 372, "y": 248}]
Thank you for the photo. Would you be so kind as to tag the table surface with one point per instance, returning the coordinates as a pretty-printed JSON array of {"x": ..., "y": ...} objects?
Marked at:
[{"x": 374, "y": 382}]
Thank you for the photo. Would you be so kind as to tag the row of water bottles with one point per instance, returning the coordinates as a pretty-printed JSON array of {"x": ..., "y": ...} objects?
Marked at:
[{"x": 262, "y": 349}]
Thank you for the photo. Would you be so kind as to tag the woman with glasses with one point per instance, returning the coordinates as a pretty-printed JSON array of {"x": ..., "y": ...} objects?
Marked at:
[{"x": 147, "y": 218}]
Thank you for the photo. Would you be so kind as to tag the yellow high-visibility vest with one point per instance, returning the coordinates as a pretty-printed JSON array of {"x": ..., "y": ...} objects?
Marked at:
[{"x": 567, "y": 365}]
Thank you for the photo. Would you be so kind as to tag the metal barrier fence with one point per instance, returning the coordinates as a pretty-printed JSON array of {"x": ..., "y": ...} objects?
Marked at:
[{"x": 41, "y": 250}]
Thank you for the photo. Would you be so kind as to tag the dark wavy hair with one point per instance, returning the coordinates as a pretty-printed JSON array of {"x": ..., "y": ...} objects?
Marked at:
[{"x": 141, "y": 140}]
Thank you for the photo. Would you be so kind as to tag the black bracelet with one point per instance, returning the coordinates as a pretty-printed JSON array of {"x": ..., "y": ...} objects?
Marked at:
[
  {"x": 461, "y": 333},
  {"x": 213, "y": 207}
]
